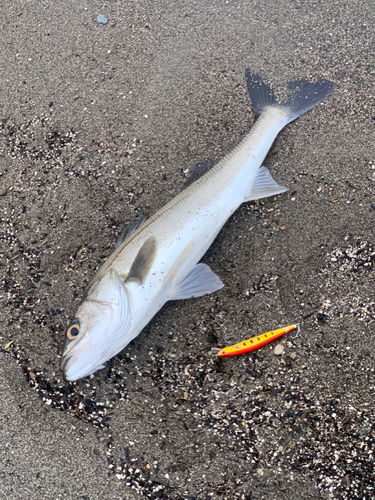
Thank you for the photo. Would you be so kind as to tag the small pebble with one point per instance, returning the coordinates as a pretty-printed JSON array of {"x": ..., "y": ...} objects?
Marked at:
[
  {"x": 260, "y": 472},
  {"x": 3, "y": 191},
  {"x": 279, "y": 349},
  {"x": 102, "y": 19},
  {"x": 293, "y": 355}
]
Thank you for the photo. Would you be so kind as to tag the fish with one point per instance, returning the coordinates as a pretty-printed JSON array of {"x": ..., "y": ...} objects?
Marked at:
[{"x": 158, "y": 260}]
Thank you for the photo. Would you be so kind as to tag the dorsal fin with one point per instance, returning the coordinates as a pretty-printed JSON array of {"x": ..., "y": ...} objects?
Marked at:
[
  {"x": 143, "y": 261},
  {"x": 198, "y": 171},
  {"x": 130, "y": 229}
]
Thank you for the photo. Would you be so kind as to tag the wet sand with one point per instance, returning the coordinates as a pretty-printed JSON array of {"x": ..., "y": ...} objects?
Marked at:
[{"x": 102, "y": 122}]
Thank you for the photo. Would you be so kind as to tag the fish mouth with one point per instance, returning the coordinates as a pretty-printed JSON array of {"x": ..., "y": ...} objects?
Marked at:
[
  {"x": 66, "y": 362},
  {"x": 84, "y": 371},
  {"x": 86, "y": 366},
  {"x": 70, "y": 358},
  {"x": 66, "y": 365}
]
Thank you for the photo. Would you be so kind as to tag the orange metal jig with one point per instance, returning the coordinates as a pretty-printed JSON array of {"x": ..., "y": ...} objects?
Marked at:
[{"x": 255, "y": 342}]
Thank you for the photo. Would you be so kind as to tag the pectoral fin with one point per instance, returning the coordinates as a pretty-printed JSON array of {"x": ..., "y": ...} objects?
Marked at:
[
  {"x": 143, "y": 261},
  {"x": 199, "y": 281},
  {"x": 264, "y": 185}
]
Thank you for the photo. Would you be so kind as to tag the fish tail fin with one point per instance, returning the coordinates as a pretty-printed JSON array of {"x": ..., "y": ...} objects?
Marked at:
[
  {"x": 308, "y": 95},
  {"x": 261, "y": 95}
]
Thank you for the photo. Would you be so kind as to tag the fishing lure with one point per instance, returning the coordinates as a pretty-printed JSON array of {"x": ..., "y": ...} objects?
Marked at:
[{"x": 255, "y": 342}]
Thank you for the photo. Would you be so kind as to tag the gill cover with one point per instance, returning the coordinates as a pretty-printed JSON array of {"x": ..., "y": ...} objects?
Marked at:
[
  {"x": 104, "y": 327},
  {"x": 120, "y": 311}
]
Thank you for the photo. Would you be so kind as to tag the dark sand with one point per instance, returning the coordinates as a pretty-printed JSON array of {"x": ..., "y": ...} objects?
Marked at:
[{"x": 101, "y": 122}]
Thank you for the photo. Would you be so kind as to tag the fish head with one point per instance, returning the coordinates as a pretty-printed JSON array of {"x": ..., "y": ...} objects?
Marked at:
[{"x": 99, "y": 330}]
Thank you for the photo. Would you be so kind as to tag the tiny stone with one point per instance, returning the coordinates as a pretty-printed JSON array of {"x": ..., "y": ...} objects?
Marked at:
[
  {"x": 282, "y": 228},
  {"x": 260, "y": 472},
  {"x": 293, "y": 355},
  {"x": 3, "y": 191},
  {"x": 102, "y": 19},
  {"x": 279, "y": 349},
  {"x": 370, "y": 276}
]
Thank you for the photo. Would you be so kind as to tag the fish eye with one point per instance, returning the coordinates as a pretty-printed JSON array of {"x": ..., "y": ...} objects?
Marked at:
[{"x": 72, "y": 331}]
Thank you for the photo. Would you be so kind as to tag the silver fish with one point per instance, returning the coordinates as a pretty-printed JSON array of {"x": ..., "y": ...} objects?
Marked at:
[{"x": 157, "y": 260}]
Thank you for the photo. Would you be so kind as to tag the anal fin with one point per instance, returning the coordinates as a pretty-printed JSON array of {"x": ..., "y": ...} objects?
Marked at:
[
  {"x": 264, "y": 185},
  {"x": 199, "y": 281}
]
